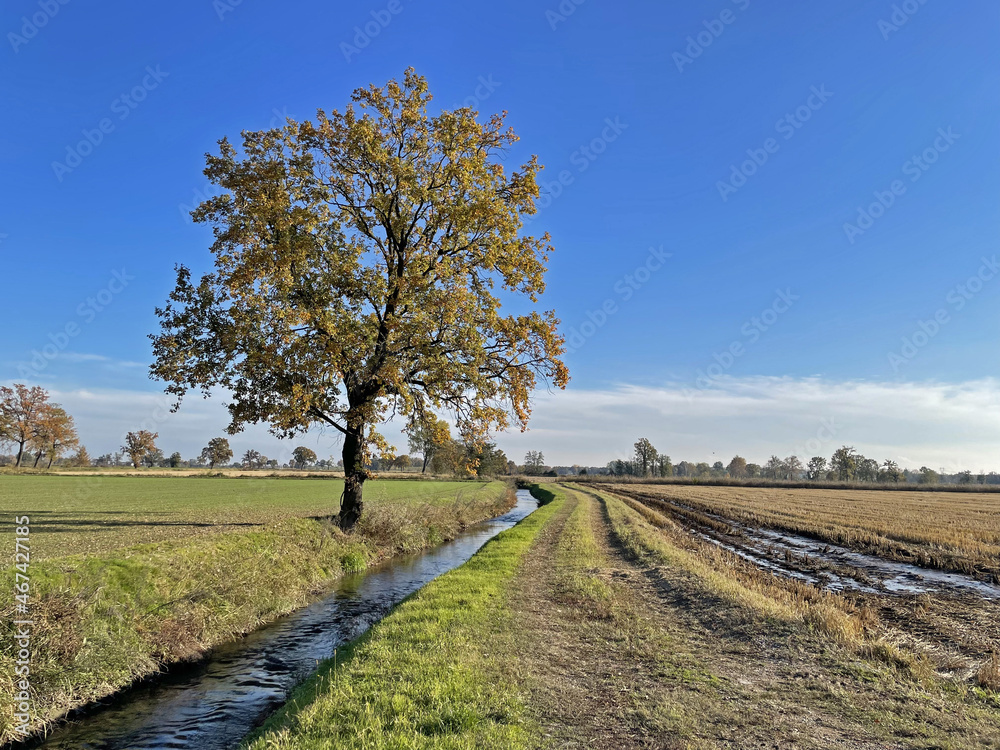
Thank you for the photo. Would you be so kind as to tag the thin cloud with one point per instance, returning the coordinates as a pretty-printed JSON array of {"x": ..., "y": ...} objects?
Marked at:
[{"x": 954, "y": 426}]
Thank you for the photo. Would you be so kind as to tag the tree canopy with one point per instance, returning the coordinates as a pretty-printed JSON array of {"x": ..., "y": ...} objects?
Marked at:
[{"x": 359, "y": 266}]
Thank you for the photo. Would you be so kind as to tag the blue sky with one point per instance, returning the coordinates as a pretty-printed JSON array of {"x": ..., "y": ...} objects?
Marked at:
[{"x": 641, "y": 121}]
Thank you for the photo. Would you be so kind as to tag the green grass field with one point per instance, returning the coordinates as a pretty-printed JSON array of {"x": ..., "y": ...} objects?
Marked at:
[
  {"x": 96, "y": 514},
  {"x": 213, "y": 558}
]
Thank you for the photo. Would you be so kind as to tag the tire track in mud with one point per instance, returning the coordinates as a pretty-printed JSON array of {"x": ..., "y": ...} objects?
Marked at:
[{"x": 952, "y": 618}]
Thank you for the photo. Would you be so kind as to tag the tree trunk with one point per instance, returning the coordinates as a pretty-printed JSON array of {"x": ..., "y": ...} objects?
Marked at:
[
  {"x": 51, "y": 459},
  {"x": 354, "y": 478},
  {"x": 424, "y": 469},
  {"x": 20, "y": 455},
  {"x": 38, "y": 457}
]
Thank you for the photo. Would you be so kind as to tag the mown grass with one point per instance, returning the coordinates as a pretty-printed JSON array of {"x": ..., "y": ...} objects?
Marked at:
[
  {"x": 424, "y": 677},
  {"x": 959, "y": 532},
  {"x": 97, "y": 514},
  {"x": 104, "y": 620}
]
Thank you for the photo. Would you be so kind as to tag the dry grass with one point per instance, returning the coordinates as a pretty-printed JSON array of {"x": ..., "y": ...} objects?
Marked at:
[
  {"x": 988, "y": 675},
  {"x": 950, "y": 531}
]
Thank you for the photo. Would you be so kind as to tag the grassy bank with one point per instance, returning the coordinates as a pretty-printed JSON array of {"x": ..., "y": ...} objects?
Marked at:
[
  {"x": 424, "y": 677},
  {"x": 104, "y": 620},
  {"x": 96, "y": 514}
]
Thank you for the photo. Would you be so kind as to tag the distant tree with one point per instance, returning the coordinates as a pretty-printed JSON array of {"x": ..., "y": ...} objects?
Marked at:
[
  {"x": 685, "y": 469},
  {"x": 427, "y": 435},
  {"x": 774, "y": 468},
  {"x": 928, "y": 476},
  {"x": 138, "y": 445},
  {"x": 965, "y": 477},
  {"x": 175, "y": 460},
  {"x": 844, "y": 464},
  {"x": 81, "y": 458},
  {"x": 511, "y": 468},
  {"x": 448, "y": 458},
  {"x": 21, "y": 409},
  {"x": 216, "y": 452},
  {"x": 754, "y": 470},
  {"x": 303, "y": 457},
  {"x": 534, "y": 463},
  {"x": 154, "y": 458},
  {"x": 737, "y": 467},
  {"x": 54, "y": 433},
  {"x": 718, "y": 469},
  {"x": 867, "y": 469},
  {"x": 253, "y": 459},
  {"x": 645, "y": 456},
  {"x": 793, "y": 467},
  {"x": 817, "y": 468},
  {"x": 890, "y": 472},
  {"x": 485, "y": 459},
  {"x": 105, "y": 460}
]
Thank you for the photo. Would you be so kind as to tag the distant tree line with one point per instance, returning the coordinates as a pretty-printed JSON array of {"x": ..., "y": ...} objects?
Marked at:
[{"x": 845, "y": 465}]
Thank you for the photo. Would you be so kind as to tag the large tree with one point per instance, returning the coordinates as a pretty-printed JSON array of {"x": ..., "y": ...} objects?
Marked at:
[
  {"x": 21, "y": 409},
  {"x": 359, "y": 267}
]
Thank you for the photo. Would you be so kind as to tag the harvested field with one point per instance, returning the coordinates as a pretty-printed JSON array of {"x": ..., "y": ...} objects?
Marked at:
[{"x": 951, "y": 531}]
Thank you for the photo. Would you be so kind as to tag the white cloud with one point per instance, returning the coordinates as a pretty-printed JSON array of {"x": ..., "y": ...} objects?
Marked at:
[
  {"x": 956, "y": 426},
  {"x": 950, "y": 425}
]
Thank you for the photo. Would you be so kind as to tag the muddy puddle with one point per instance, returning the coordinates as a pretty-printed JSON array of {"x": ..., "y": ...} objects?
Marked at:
[{"x": 831, "y": 566}]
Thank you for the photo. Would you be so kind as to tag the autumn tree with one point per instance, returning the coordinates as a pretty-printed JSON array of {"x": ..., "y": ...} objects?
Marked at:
[
  {"x": 303, "y": 456},
  {"x": 54, "y": 433},
  {"x": 737, "y": 467},
  {"x": 81, "y": 458},
  {"x": 20, "y": 410},
  {"x": 359, "y": 266},
  {"x": 427, "y": 434},
  {"x": 645, "y": 456},
  {"x": 217, "y": 452},
  {"x": 138, "y": 445}
]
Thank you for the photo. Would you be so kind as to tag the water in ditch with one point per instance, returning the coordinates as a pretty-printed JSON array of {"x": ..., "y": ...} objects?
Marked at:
[{"x": 212, "y": 705}]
